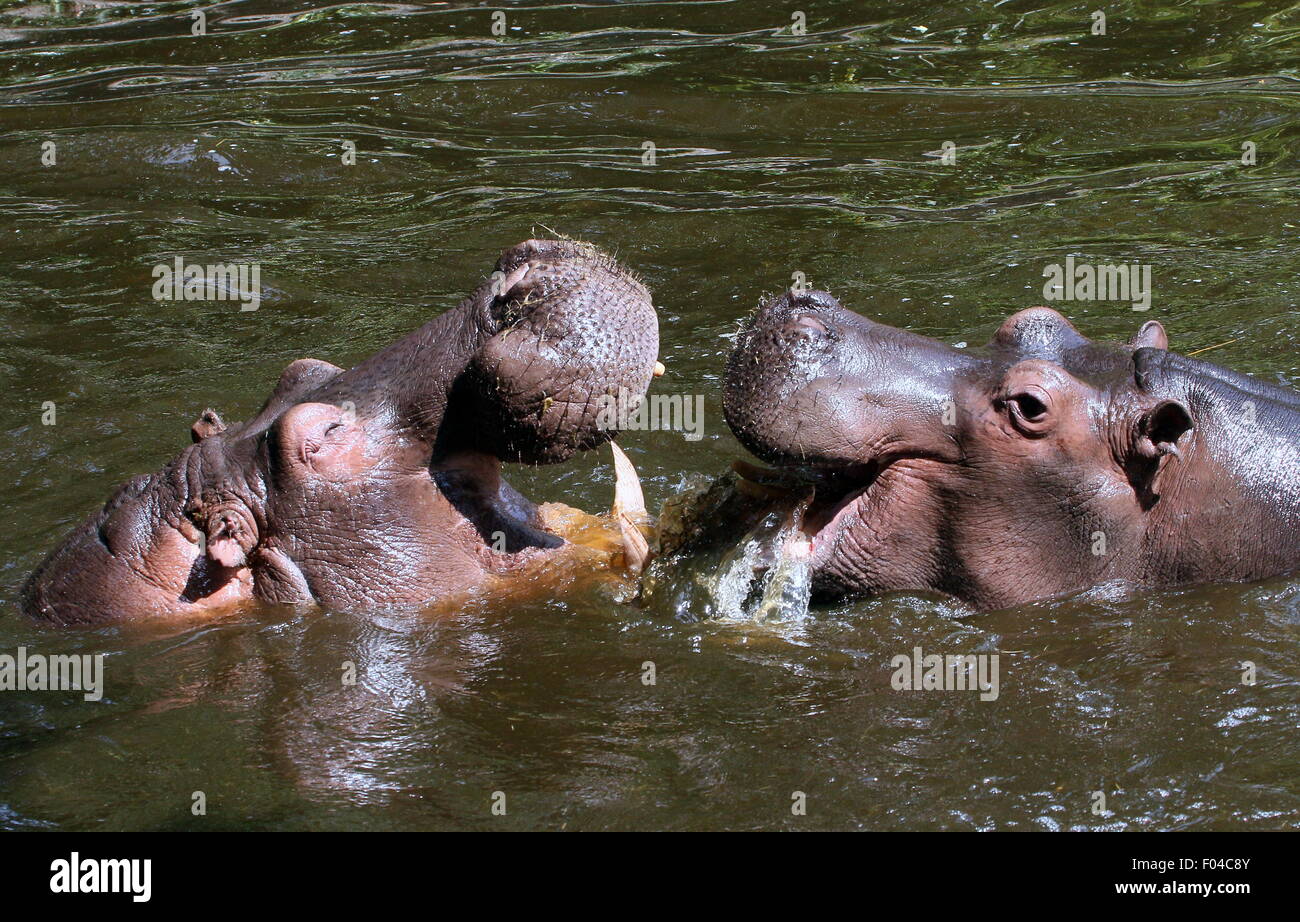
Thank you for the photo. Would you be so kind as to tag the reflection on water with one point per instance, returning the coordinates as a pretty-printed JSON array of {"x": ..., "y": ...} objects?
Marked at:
[{"x": 773, "y": 154}]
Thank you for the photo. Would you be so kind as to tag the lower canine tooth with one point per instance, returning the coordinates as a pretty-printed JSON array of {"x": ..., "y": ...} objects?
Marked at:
[
  {"x": 799, "y": 549},
  {"x": 636, "y": 550},
  {"x": 628, "y": 498},
  {"x": 629, "y": 511}
]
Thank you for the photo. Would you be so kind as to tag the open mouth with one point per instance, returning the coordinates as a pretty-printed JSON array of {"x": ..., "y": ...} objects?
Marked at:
[
  {"x": 513, "y": 529},
  {"x": 824, "y": 498},
  {"x": 504, "y": 519}
]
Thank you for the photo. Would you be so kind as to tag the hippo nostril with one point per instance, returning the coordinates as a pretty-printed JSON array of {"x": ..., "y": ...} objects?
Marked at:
[{"x": 809, "y": 322}]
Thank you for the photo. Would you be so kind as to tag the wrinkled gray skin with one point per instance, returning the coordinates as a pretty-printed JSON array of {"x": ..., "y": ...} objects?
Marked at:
[
  {"x": 1037, "y": 466},
  {"x": 380, "y": 485}
]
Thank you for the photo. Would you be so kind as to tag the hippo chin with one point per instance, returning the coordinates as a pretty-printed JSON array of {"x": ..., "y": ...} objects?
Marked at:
[
  {"x": 1040, "y": 465},
  {"x": 380, "y": 485}
]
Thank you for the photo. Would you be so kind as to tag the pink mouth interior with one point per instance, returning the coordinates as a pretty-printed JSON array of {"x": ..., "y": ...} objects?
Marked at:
[{"x": 831, "y": 500}]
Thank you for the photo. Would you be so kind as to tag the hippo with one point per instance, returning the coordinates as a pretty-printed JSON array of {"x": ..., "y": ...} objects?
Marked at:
[
  {"x": 380, "y": 485},
  {"x": 1040, "y": 465}
]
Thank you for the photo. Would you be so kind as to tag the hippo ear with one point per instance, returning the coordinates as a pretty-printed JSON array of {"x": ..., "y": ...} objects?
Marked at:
[
  {"x": 207, "y": 425},
  {"x": 1152, "y": 335},
  {"x": 1158, "y": 432},
  {"x": 321, "y": 440},
  {"x": 1160, "y": 429}
]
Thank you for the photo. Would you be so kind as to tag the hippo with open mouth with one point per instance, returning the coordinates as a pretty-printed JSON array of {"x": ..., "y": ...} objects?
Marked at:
[
  {"x": 380, "y": 485},
  {"x": 1039, "y": 465}
]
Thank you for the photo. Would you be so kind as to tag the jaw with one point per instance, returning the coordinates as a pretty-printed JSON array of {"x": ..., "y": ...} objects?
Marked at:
[
  {"x": 871, "y": 526},
  {"x": 507, "y": 526},
  {"x": 571, "y": 328},
  {"x": 508, "y": 531}
]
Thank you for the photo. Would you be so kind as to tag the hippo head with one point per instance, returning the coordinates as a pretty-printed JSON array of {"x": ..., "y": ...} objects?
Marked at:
[
  {"x": 1038, "y": 465},
  {"x": 379, "y": 485}
]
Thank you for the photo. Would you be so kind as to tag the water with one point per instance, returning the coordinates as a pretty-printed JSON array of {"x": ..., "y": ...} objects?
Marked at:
[
  {"x": 774, "y": 154},
  {"x": 709, "y": 566}
]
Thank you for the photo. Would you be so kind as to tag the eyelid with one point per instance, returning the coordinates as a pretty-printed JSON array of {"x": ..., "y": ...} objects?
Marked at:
[
  {"x": 1040, "y": 422},
  {"x": 1019, "y": 399}
]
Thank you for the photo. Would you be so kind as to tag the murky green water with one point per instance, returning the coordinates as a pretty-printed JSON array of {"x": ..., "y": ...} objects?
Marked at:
[{"x": 775, "y": 154}]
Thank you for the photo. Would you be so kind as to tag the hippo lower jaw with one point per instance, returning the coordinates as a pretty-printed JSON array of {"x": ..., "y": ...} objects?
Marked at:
[
  {"x": 508, "y": 529},
  {"x": 505, "y": 522},
  {"x": 837, "y": 502},
  {"x": 840, "y": 508}
]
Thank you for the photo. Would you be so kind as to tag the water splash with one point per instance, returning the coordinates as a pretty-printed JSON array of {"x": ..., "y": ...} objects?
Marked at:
[
  {"x": 767, "y": 577},
  {"x": 787, "y": 586}
]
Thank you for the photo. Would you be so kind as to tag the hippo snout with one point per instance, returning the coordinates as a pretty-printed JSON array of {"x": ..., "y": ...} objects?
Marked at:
[
  {"x": 812, "y": 383},
  {"x": 568, "y": 326}
]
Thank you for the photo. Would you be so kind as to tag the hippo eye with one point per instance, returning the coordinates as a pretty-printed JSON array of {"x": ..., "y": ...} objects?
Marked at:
[
  {"x": 1030, "y": 410},
  {"x": 1028, "y": 406}
]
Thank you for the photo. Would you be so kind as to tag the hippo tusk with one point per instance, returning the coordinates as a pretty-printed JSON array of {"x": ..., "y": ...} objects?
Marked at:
[
  {"x": 636, "y": 550},
  {"x": 659, "y": 369},
  {"x": 629, "y": 510},
  {"x": 628, "y": 498},
  {"x": 1172, "y": 449},
  {"x": 514, "y": 278}
]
